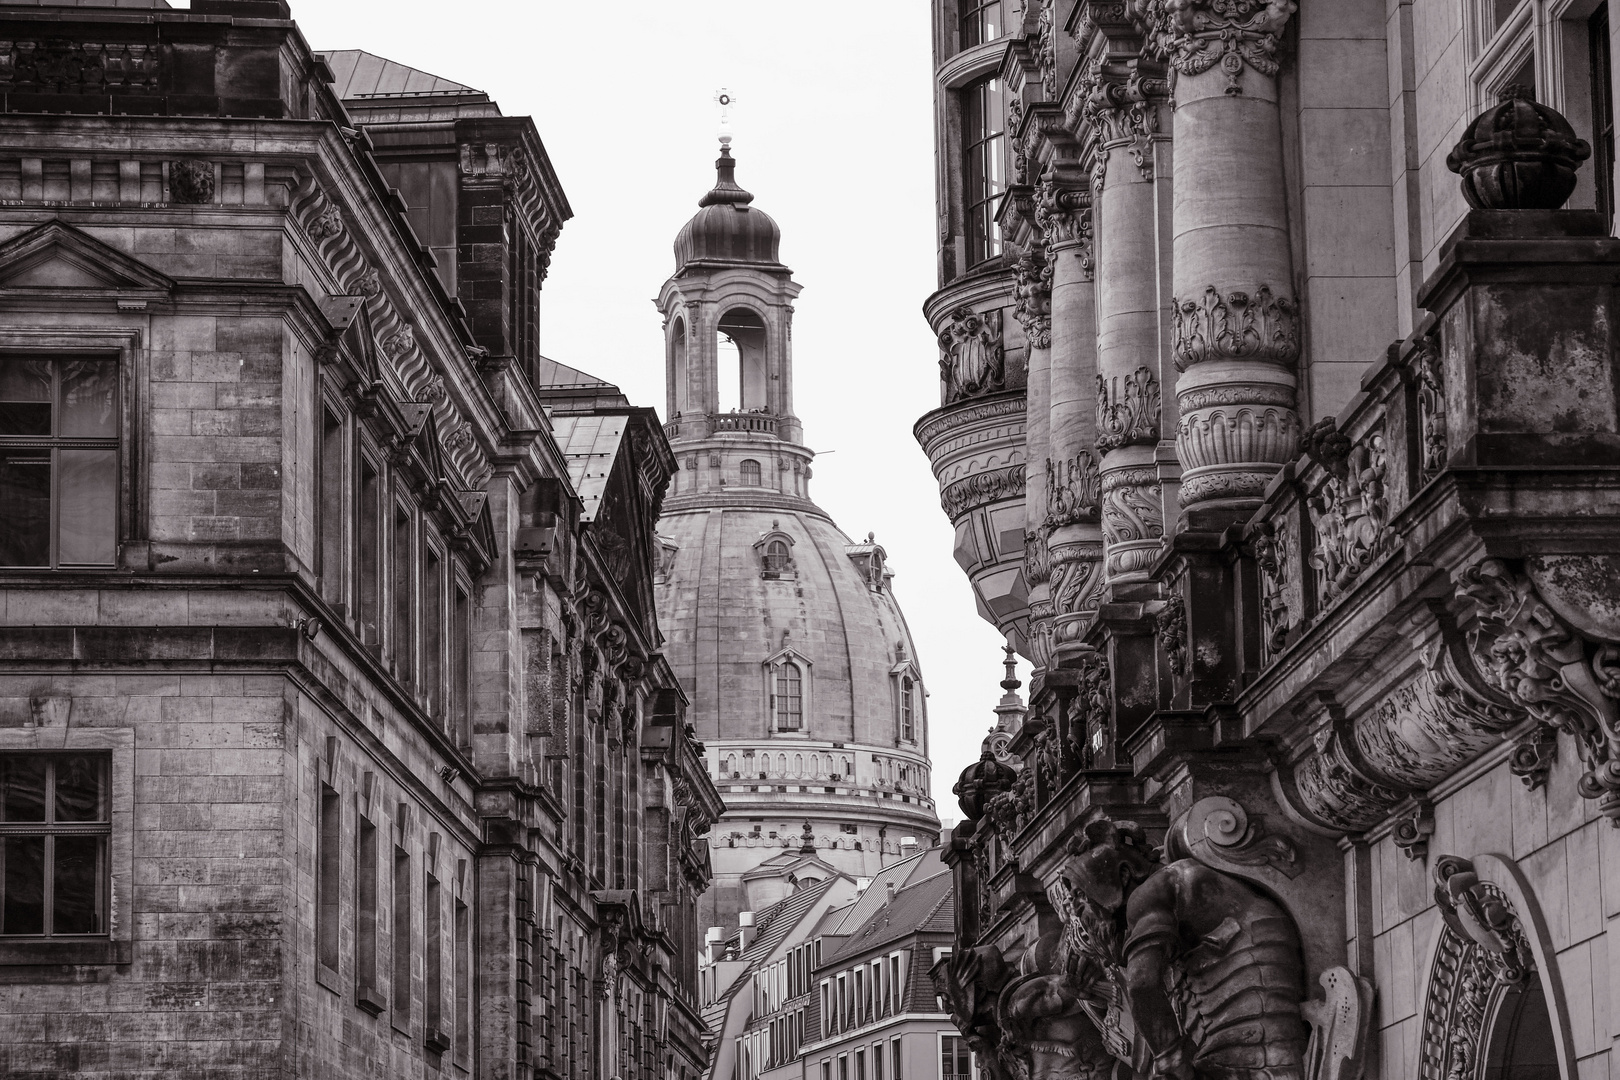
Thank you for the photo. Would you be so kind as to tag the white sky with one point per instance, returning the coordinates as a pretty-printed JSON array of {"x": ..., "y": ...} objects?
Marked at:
[{"x": 834, "y": 136}]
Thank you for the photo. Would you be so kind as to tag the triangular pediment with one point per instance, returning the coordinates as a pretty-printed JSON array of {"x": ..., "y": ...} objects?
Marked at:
[{"x": 57, "y": 257}]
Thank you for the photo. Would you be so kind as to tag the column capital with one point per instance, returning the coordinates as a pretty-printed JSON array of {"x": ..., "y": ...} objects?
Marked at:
[
  {"x": 1032, "y": 293},
  {"x": 1063, "y": 214},
  {"x": 1195, "y": 35},
  {"x": 1120, "y": 103}
]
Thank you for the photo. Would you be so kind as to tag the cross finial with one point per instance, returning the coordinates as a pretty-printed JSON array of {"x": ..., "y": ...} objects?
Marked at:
[{"x": 724, "y": 100}]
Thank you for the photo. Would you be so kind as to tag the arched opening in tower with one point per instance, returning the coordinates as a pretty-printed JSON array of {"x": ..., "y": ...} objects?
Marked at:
[
  {"x": 678, "y": 368},
  {"x": 740, "y": 348}
]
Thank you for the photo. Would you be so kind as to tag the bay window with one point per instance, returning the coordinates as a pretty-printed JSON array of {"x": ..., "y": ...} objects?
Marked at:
[{"x": 984, "y": 172}]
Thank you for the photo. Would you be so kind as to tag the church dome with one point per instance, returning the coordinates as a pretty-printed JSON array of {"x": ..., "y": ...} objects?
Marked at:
[{"x": 726, "y": 228}]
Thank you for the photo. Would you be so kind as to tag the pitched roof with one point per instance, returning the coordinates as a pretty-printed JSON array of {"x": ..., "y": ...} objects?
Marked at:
[
  {"x": 590, "y": 443},
  {"x": 927, "y": 906},
  {"x": 363, "y": 74},
  {"x": 772, "y": 926},
  {"x": 924, "y": 864}
]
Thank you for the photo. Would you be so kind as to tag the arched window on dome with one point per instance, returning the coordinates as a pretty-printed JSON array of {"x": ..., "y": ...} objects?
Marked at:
[
  {"x": 750, "y": 473},
  {"x": 908, "y": 722},
  {"x": 798, "y": 764},
  {"x": 788, "y": 695},
  {"x": 781, "y": 764},
  {"x": 776, "y": 556}
]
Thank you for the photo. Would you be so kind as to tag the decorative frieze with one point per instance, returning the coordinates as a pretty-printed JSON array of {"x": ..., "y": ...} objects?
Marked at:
[
  {"x": 1282, "y": 600},
  {"x": 981, "y": 489},
  {"x": 1350, "y": 511},
  {"x": 972, "y": 360}
]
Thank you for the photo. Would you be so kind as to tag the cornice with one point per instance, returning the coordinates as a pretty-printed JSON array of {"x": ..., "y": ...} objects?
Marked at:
[
  {"x": 977, "y": 290},
  {"x": 971, "y": 64}
]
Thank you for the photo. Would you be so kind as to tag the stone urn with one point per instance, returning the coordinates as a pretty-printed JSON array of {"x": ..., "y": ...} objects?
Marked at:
[{"x": 1519, "y": 155}]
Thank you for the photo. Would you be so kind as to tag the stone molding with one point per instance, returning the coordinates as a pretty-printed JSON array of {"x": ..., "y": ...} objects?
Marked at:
[
  {"x": 981, "y": 489},
  {"x": 1195, "y": 35},
  {"x": 1132, "y": 518}
]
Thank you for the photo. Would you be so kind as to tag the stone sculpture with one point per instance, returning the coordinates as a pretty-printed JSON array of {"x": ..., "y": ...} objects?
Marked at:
[
  {"x": 1048, "y": 1015},
  {"x": 1209, "y": 968},
  {"x": 969, "y": 980}
]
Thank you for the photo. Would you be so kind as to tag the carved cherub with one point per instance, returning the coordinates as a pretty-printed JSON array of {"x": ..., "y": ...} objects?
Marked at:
[{"x": 1212, "y": 973}]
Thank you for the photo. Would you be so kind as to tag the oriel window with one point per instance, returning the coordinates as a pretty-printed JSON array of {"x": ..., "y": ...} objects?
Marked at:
[
  {"x": 984, "y": 173},
  {"x": 58, "y": 462},
  {"x": 981, "y": 22},
  {"x": 54, "y": 828}
]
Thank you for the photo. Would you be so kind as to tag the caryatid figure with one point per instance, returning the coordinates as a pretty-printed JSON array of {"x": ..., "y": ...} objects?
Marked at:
[{"x": 1212, "y": 970}]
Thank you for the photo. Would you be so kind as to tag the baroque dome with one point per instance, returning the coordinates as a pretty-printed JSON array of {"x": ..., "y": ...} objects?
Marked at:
[{"x": 726, "y": 228}]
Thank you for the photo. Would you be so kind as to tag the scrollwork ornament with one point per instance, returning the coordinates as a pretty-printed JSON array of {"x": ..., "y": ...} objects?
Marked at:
[
  {"x": 1275, "y": 550},
  {"x": 1533, "y": 755},
  {"x": 1073, "y": 490},
  {"x": 972, "y": 361},
  {"x": 1131, "y": 513},
  {"x": 1032, "y": 294}
]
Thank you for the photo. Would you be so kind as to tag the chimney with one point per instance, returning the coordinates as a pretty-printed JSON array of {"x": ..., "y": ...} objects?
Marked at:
[
  {"x": 890, "y": 886},
  {"x": 908, "y": 846},
  {"x": 745, "y": 929},
  {"x": 711, "y": 938}
]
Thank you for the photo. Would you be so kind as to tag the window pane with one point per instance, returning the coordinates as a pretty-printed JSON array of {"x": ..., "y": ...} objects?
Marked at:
[
  {"x": 23, "y": 885},
  {"x": 22, "y": 788},
  {"x": 89, "y": 497},
  {"x": 89, "y": 399},
  {"x": 81, "y": 788},
  {"x": 25, "y": 397},
  {"x": 77, "y": 877},
  {"x": 25, "y": 492},
  {"x": 433, "y": 633}
]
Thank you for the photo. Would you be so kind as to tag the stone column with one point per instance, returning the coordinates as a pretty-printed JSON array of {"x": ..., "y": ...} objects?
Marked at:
[
  {"x": 1236, "y": 317},
  {"x": 1074, "y": 535},
  {"x": 1033, "y": 293},
  {"x": 1124, "y": 110}
]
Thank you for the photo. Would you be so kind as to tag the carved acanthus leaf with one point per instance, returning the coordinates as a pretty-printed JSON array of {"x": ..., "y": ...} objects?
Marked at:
[
  {"x": 1127, "y": 410},
  {"x": 1236, "y": 325},
  {"x": 1195, "y": 35},
  {"x": 1073, "y": 490}
]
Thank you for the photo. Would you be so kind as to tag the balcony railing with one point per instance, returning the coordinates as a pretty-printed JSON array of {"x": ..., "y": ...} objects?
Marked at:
[{"x": 697, "y": 425}]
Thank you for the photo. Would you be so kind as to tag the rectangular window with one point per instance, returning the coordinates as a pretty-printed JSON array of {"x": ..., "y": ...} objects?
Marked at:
[
  {"x": 365, "y": 915},
  {"x": 433, "y": 631},
  {"x": 789, "y": 697},
  {"x": 981, "y": 22},
  {"x": 843, "y": 1067},
  {"x": 54, "y": 829},
  {"x": 461, "y": 666},
  {"x": 1602, "y": 111},
  {"x": 894, "y": 1060},
  {"x": 908, "y": 727},
  {"x": 332, "y": 474},
  {"x": 877, "y": 1061},
  {"x": 984, "y": 175},
  {"x": 368, "y": 555},
  {"x": 899, "y": 987},
  {"x": 826, "y": 1070},
  {"x": 404, "y": 643},
  {"x": 402, "y": 937},
  {"x": 955, "y": 1059},
  {"x": 327, "y": 845},
  {"x": 463, "y": 981},
  {"x": 58, "y": 462},
  {"x": 860, "y": 1065},
  {"x": 433, "y": 976}
]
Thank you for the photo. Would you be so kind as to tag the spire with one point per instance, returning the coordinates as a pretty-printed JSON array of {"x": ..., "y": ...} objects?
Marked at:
[
  {"x": 1010, "y": 710},
  {"x": 725, "y": 190}
]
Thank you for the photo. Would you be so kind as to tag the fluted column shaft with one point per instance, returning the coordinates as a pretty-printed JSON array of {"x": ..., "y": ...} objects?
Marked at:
[
  {"x": 1074, "y": 534},
  {"x": 1127, "y": 121},
  {"x": 1236, "y": 317}
]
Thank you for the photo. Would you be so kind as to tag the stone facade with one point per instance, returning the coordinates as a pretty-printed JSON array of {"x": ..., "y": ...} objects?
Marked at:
[
  {"x": 787, "y": 637},
  {"x": 335, "y": 739},
  {"x": 1316, "y": 778}
]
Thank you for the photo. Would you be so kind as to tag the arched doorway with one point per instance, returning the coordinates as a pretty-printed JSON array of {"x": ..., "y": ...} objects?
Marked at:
[{"x": 1521, "y": 1044}]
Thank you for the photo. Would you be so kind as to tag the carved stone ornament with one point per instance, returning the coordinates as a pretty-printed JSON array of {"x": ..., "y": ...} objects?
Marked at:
[
  {"x": 1482, "y": 950},
  {"x": 1064, "y": 217},
  {"x": 1519, "y": 155},
  {"x": 1046, "y": 49},
  {"x": 1048, "y": 1015},
  {"x": 191, "y": 181},
  {"x": 1275, "y": 549},
  {"x": 1350, "y": 511},
  {"x": 970, "y": 981},
  {"x": 1533, "y": 756},
  {"x": 326, "y": 224},
  {"x": 1015, "y": 121},
  {"x": 1525, "y": 649},
  {"x": 1127, "y": 410},
  {"x": 1073, "y": 490},
  {"x": 1198, "y": 944},
  {"x": 1236, "y": 325},
  {"x": 1172, "y": 631},
  {"x": 971, "y": 360},
  {"x": 1125, "y": 116},
  {"x": 1195, "y": 35},
  {"x": 399, "y": 342},
  {"x": 1032, "y": 292},
  {"x": 368, "y": 284},
  {"x": 1131, "y": 515},
  {"x": 1431, "y": 400},
  {"x": 982, "y": 489},
  {"x": 1077, "y": 584},
  {"x": 1413, "y": 828},
  {"x": 1216, "y": 830}
]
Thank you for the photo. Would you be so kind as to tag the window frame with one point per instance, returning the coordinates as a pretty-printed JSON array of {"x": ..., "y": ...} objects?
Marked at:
[
  {"x": 116, "y": 946},
  {"x": 971, "y": 12},
  {"x": 123, "y": 349},
  {"x": 981, "y": 98}
]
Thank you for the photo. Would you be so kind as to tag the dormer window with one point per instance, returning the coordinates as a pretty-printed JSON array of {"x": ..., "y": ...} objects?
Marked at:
[
  {"x": 908, "y": 725},
  {"x": 776, "y": 557},
  {"x": 775, "y": 553}
]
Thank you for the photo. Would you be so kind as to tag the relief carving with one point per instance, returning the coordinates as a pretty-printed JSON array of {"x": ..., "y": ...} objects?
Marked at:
[
  {"x": 1064, "y": 217},
  {"x": 1172, "y": 632},
  {"x": 1195, "y": 35},
  {"x": 970, "y": 980},
  {"x": 1073, "y": 490},
  {"x": 1124, "y": 115},
  {"x": 1216, "y": 829},
  {"x": 1533, "y": 755},
  {"x": 191, "y": 181},
  {"x": 1431, "y": 400},
  {"x": 1076, "y": 579},
  {"x": 981, "y": 489},
  {"x": 1128, "y": 414},
  {"x": 971, "y": 359},
  {"x": 1032, "y": 293},
  {"x": 1523, "y": 648},
  {"x": 1350, "y": 511},
  {"x": 1282, "y": 604},
  {"x": 1236, "y": 326}
]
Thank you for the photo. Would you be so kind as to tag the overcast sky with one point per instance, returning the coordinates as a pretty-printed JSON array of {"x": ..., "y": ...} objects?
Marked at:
[{"x": 833, "y": 135}]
